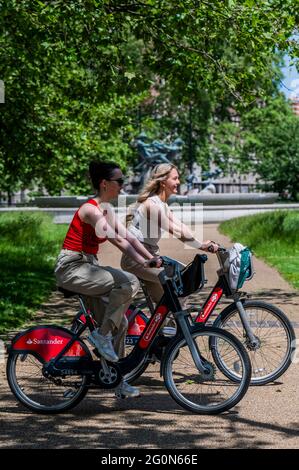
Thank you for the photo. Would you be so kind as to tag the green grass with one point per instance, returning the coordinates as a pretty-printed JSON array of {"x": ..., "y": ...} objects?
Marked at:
[
  {"x": 273, "y": 236},
  {"x": 29, "y": 244}
]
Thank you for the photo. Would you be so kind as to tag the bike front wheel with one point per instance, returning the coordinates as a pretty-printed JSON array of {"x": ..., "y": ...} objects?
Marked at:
[
  {"x": 39, "y": 393},
  {"x": 271, "y": 353},
  {"x": 212, "y": 392}
]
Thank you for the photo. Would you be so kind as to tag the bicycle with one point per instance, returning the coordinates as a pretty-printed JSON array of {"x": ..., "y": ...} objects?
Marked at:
[
  {"x": 137, "y": 321},
  {"x": 50, "y": 368},
  {"x": 263, "y": 328}
]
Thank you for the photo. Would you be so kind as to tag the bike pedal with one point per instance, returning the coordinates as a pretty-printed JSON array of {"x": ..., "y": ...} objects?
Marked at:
[{"x": 121, "y": 396}]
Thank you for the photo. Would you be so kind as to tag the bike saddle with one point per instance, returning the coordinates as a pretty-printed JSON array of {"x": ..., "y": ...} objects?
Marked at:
[{"x": 67, "y": 293}]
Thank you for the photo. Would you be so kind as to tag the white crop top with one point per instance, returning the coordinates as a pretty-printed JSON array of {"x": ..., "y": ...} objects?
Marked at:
[{"x": 148, "y": 230}]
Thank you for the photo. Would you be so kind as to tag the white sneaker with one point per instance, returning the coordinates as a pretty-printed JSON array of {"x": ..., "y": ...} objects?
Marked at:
[
  {"x": 103, "y": 345},
  {"x": 125, "y": 390}
]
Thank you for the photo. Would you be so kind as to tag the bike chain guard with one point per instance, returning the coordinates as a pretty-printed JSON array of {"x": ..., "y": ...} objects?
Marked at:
[
  {"x": 109, "y": 375},
  {"x": 102, "y": 374}
]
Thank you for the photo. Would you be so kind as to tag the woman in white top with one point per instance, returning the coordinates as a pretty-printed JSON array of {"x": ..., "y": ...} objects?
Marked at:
[{"x": 149, "y": 217}]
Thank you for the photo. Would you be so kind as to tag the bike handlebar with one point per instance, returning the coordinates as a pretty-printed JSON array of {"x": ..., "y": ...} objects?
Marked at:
[
  {"x": 153, "y": 263},
  {"x": 172, "y": 269},
  {"x": 167, "y": 261},
  {"x": 220, "y": 248}
]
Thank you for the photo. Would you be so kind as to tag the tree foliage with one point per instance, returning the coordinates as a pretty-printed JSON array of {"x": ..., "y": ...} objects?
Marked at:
[
  {"x": 272, "y": 139},
  {"x": 264, "y": 141},
  {"x": 77, "y": 72}
]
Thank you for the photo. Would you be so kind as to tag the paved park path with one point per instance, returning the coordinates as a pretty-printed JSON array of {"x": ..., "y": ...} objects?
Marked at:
[{"x": 268, "y": 416}]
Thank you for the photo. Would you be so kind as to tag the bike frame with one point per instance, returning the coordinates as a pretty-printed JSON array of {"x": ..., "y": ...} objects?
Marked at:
[
  {"x": 220, "y": 288},
  {"x": 134, "y": 312},
  {"x": 169, "y": 302}
]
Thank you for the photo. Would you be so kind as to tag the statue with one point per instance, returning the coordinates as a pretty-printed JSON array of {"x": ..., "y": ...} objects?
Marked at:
[
  {"x": 151, "y": 154},
  {"x": 207, "y": 178},
  {"x": 209, "y": 187}
]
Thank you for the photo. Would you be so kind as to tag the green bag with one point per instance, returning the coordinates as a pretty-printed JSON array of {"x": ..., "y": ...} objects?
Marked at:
[
  {"x": 245, "y": 268},
  {"x": 240, "y": 266}
]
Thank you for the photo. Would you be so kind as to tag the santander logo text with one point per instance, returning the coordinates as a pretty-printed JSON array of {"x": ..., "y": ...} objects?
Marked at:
[
  {"x": 44, "y": 341},
  {"x": 152, "y": 328},
  {"x": 154, "y": 324},
  {"x": 210, "y": 305}
]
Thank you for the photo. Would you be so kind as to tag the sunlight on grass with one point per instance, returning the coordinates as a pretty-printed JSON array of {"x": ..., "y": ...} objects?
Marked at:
[
  {"x": 29, "y": 244},
  {"x": 273, "y": 236}
]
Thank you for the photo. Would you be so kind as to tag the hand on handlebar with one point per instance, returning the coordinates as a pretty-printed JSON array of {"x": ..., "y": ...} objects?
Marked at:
[
  {"x": 155, "y": 262},
  {"x": 209, "y": 246}
]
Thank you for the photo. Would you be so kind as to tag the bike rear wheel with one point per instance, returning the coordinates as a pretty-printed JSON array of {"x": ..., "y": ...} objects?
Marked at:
[
  {"x": 275, "y": 336},
  {"x": 210, "y": 393},
  {"x": 39, "y": 393}
]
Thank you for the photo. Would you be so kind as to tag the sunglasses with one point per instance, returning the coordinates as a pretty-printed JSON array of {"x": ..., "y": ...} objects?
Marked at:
[{"x": 119, "y": 180}]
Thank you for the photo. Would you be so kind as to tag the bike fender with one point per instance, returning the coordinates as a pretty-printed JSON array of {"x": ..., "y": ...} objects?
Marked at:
[{"x": 46, "y": 341}]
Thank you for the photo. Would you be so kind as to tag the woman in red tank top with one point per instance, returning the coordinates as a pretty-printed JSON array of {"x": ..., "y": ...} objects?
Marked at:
[{"x": 106, "y": 290}]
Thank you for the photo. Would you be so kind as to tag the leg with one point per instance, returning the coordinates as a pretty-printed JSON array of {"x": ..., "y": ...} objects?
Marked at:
[
  {"x": 148, "y": 275},
  {"x": 82, "y": 274}
]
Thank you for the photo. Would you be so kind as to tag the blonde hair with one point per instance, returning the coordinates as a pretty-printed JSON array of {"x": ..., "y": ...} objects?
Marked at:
[{"x": 152, "y": 186}]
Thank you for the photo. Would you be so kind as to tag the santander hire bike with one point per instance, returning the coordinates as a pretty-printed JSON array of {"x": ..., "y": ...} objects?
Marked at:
[
  {"x": 206, "y": 370},
  {"x": 265, "y": 331}
]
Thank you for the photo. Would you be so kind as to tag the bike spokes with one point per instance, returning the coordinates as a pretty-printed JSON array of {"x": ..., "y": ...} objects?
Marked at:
[
  {"x": 271, "y": 349},
  {"x": 40, "y": 393},
  {"x": 212, "y": 391}
]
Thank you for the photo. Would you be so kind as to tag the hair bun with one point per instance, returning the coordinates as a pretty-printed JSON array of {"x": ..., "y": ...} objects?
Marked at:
[
  {"x": 99, "y": 171},
  {"x": 93, "y": 166}
]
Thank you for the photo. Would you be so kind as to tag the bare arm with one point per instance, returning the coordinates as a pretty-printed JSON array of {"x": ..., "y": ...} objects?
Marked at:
[
  {"x": 93, "y": 216},
  {"x": 138, "y": 246},
  {"x": 168, "y": 222},
  {"x": 127, "y": 248},
  {"x": 122, "y": 231},
  {"x": 182, "y": 232}
]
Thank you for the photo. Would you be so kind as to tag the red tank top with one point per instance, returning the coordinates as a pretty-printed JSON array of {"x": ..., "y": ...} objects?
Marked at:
[{"x": 81, "y": 236}]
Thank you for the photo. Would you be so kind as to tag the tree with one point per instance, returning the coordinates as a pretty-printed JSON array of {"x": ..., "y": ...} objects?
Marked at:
[
  {"x": 76, "y": 72},
  {"x": 264, "y": 140},
  {"x": 272, "y": 141},
  {"x": 66, "y": 103}
]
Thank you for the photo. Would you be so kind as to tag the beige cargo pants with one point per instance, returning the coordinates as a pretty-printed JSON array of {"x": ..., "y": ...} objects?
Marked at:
[
  {"x": 149, "y": 276},
  {"x": 107, "y": 291}
]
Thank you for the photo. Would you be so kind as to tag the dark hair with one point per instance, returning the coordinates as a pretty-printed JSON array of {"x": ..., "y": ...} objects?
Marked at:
[{"x": 99, "y": 171}]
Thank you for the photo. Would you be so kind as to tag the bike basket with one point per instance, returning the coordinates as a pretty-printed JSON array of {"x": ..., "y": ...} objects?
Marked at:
[
  {"x": 236, "y": 265},
  {"x": 240, "y": 266},
  {"x": 193, "y": 276}
]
